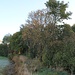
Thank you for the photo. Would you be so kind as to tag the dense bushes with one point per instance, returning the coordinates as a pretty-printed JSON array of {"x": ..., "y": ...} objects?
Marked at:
[{"x": 3, "y": 50}]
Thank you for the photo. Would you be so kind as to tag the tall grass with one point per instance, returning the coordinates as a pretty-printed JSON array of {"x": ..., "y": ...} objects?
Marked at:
[{"x": 49, "y": 72}]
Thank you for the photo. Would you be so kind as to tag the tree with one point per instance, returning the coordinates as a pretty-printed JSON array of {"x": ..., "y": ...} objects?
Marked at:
[
  {"x": 33, "y": 32},
  {"x": 7, "y": 38},
  {"x": 73, "y": 27},
  {"x": 69, "y": 53},
  {"x": 16, "y": 42},
  {"x": 67, "y": 31},
  {"x": 37, "y": 17},
  {"x": 32, "y": 40},
  {"x": 4, "y": 50},
  {"x": 57, "y": 10}
]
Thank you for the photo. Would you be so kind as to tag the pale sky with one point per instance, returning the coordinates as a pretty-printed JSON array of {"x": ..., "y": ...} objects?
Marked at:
[{"x": 13, "y": 13}]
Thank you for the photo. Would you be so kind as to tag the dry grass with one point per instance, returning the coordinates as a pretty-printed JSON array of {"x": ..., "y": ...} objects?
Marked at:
[{"x": 22, "y": 66}]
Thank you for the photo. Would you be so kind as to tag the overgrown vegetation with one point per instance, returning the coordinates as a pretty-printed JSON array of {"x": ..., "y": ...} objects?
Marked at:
[
  {"x": 48, "y": 71},
  {"x": 3, "y": 50},
  {"x": 45, "y": 36}
]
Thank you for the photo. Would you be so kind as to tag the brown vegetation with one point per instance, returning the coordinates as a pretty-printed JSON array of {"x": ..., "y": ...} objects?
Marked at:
[{"x": 21, "y": 65}]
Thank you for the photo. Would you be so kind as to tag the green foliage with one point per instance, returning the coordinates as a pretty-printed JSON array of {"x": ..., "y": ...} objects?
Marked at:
[
  {"x": 47, "y": 71},
  {"x": 7, "y": 38},
  {"x": 67, "y": 31},
  {"x": 57, "y": 10},
  {"x": 16, "y": 41},
  {"x": 10, "y": 56},
  {"x": 73, "y": 27},
  {"x": 3, "y": 50}
]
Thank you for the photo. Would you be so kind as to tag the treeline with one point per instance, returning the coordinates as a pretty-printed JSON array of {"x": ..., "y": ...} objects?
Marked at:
[
  {"x": 46, "y": 37},
  {"x": 4, "y": 46},
  {"x": 4, "y": 50}
]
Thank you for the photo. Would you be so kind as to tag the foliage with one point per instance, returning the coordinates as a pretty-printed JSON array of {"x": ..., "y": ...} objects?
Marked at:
[
  {"x": 15, "y": 42},
  {"x": 42, "y": 38},
  {"x": 7, "y": 38},
  {"x": 57, "y": 10},
  {"x": 3, "y": 50},
  {"x": 73, "y": 27},
  {"x": 47, "y": 71}
]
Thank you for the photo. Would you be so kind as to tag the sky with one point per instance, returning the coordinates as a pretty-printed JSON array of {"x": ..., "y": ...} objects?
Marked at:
[{"x": 13, "y": 13}]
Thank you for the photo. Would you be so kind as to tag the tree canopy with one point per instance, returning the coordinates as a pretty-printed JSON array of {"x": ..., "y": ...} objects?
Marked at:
[{"x": 57, "y": 10}]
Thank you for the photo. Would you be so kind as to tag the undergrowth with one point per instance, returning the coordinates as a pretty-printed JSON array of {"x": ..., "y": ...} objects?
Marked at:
[{"x": 46, "y": 71}]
